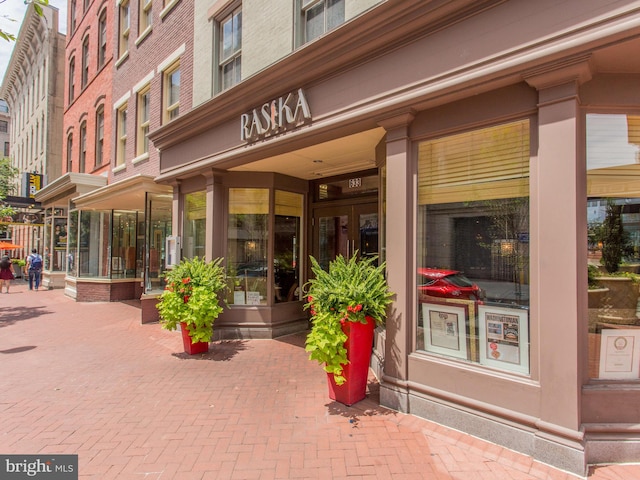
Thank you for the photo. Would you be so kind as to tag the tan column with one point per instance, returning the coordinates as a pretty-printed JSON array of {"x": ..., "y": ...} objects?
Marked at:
[
  {"x": 400, "y": 241},
  {"x": 215, "y": 240},
  {"x": 558, "y": 248}
]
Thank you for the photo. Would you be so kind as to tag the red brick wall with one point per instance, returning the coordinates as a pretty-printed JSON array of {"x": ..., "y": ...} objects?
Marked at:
[
  {"x": 107, "y": 292},
  {"x": 167, "y": 35},
  {"x": 97, "y": 91}
]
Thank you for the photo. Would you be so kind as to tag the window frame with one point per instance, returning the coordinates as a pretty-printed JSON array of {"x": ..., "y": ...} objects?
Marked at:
[
  {"x": 124, "y": 15},
  {"x": 170, "y": 111},
  {"x": 102, "y": 38},
  {"x": 145, "y": 16},
  {"x": 307, "y": 5},
  {"x": 121, "y": 134},
  {"x": 235, "y": 57},
  {"x": 84, "y": 80},
  {"x": 142, "y": 121},
  {"x": 99, "y": 143},
  {"x": 70, "y": 152},
  {"x": 72, "y": 74},
  {"x": 82, "y": 158}
]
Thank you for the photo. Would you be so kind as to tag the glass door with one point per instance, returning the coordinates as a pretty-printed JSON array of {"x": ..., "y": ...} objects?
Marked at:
[{"x": 341, "y": 230}]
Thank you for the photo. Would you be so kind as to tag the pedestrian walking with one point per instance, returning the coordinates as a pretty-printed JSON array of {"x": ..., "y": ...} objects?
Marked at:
[
  {"x": 34, "y": 267},
  {"x": 6, "y": 273}
]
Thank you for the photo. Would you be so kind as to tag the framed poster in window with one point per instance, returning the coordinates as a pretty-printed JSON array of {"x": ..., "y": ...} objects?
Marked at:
[
  {"x": 619, "y": 354},
  {"x": 445, "y": 329},
  {"x": 503, "y": 334}
]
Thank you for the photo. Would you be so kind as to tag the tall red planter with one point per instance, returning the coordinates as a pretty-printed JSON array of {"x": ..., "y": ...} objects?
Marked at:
[
  {"x": 189, "y": 346},
  {"x": 359, "y": 345}
]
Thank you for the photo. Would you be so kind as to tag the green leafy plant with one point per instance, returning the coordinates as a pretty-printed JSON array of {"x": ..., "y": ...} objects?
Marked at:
[
  {"x": 192, "y": 296},
  {"x": 349, "y": 291}
]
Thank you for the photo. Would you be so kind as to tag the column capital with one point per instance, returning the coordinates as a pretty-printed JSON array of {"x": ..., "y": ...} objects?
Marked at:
[{"x": 576, "y": 69}]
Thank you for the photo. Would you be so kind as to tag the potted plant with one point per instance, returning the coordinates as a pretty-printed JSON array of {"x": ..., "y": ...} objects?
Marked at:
[
  {"x": 346, "y": 303},
  {"x": 192, "y": 299}
]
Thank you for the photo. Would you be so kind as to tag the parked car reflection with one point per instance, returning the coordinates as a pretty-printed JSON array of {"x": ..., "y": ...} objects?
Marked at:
[{"x": 442, "y": 283}]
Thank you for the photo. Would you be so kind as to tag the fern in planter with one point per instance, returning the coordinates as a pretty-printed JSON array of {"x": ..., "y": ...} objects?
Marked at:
[
  {"x": 349, "y": 291},
  {"x": 192, "y": 296}
]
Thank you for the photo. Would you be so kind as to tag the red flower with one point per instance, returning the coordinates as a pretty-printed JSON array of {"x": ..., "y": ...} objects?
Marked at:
[
  {"x": 310, "y": 298},
  {"x": 358, "y": 308},
  {"x": 186, "y": 280}
]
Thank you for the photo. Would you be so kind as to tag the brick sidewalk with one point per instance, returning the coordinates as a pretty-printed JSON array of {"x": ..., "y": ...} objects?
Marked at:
[{"x": 89, "y": 379}]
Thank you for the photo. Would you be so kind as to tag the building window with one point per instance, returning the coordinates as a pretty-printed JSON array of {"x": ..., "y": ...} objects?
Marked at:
[
  {"x": 195, "y": 215},
  {"x": 102, "y": 38},
  {"x": 6, "y": 149},
  {"x": 123, "y": 45},
  {"x": 247, "y": 245},
  {"x": 145, "y": 15},
  {"x": 286, "y": 245},
  {"x": 231, "y": 49},
  {"x": 321, "y": 16},
  {"x": 85, "y": 5},
  {"x": 4, "y": 126},
  {"x": 85, "y": 62},
  {"x": 171, "y": 92},
  {"x": 613, "y": 255},
  {"x": 143, "y": 121},
  {"x": 473, "y": 247},
  {"x": 99, "y": 136},
  {"x": 72, "y": 15},
  {"x": 122, "y": 135},
  {"x": 70, "y": 153},
  {"x": 72, "y": 74},
  {"x": 83, "y": 147}
]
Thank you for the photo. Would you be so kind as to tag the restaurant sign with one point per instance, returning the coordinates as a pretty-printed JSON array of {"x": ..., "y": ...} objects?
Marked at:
[{"x": 276, "y": 116}]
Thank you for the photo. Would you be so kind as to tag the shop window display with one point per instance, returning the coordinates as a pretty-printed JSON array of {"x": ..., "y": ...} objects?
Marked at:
[
  {"x": 473, "y": 247},
  {"x": 195, "y": 219},
  {"x": 247, "y": 245},
  {"x": 159, "y": 224},
  {"x": 288, "y": 216},
  {"x": 613, "y": 219}
]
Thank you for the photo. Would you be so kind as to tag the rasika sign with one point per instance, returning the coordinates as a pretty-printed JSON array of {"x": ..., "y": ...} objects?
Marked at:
[{"x": 278, "y": 115}]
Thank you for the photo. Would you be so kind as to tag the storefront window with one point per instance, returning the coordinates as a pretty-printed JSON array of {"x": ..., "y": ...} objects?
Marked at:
[
  {"x": 93, "y": 242},
  {"x": 247, "y": 245},
  {"x": 194, "y": 232},
  {"x": 613, "y": 219},
  {"x": 286, "y": 255},
  {"x": 55, "y": 240},
  {"x": 124, "y": 258},
  {"x": 159, "y": 212},
  {"x": 72, "y": 239},
  {"x": 473, "y": 247}
]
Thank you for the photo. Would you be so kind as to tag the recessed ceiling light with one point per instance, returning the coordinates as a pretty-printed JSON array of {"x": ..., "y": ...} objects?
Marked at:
[{"x": 317, "y": 161}]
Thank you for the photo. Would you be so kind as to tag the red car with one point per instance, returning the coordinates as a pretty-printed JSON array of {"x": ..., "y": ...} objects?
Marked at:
[{"x": 436, "y": 282}]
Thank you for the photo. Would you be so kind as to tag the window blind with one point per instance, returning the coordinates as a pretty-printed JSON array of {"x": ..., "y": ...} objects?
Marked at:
[{"x": 484, "y": 164}]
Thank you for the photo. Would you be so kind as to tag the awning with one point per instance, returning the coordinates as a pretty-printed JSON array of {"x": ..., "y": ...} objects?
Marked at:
[{"x": 127, "y": 194}]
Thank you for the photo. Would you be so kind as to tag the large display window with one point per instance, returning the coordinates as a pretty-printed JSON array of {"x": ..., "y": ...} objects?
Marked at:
[
  {"x": 55, "y": 240},
  {"x": 247, "y": 245},
  {"x": 105, "y": 244},
  {"x": 613, "y": 219},
  {"x": 195, "y": 219},
  {"x": 286, "y": 245},
  {"x": 159, "y": 228},
  {"x": 473, "y": 247}
]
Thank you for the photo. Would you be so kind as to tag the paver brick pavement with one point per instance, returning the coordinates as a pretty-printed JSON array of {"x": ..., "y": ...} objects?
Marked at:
[{"x": 89, "y": 379}]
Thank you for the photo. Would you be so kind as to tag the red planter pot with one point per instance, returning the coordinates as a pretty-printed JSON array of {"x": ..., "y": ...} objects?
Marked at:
[
  {"x": 359, "y": 345},
  {"x": 190, "y": 347}
]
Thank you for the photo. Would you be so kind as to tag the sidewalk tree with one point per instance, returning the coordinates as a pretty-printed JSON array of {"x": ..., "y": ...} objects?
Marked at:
[{"x": 8, "y": 176}]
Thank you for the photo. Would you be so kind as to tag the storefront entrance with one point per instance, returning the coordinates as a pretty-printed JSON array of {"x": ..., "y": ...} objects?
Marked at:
[{"x": 348, "y": 220}]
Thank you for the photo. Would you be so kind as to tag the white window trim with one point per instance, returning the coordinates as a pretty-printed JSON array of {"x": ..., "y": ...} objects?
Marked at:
[
  {"x": 144, "y": 35},
  {"x": 171, "y": 59},
  {"x": 121, "y": 101},
  {"x": 144, "y": 82},
  {"x": 140, "y": 158},
  {"x": 168, "y": 8}
]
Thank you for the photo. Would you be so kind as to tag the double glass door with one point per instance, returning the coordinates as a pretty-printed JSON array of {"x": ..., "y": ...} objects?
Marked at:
[{"x": 343, "y": 230}]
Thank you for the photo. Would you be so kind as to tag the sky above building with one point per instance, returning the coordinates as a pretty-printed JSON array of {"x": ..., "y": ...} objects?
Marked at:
[{"x": 11, "y": 17}]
